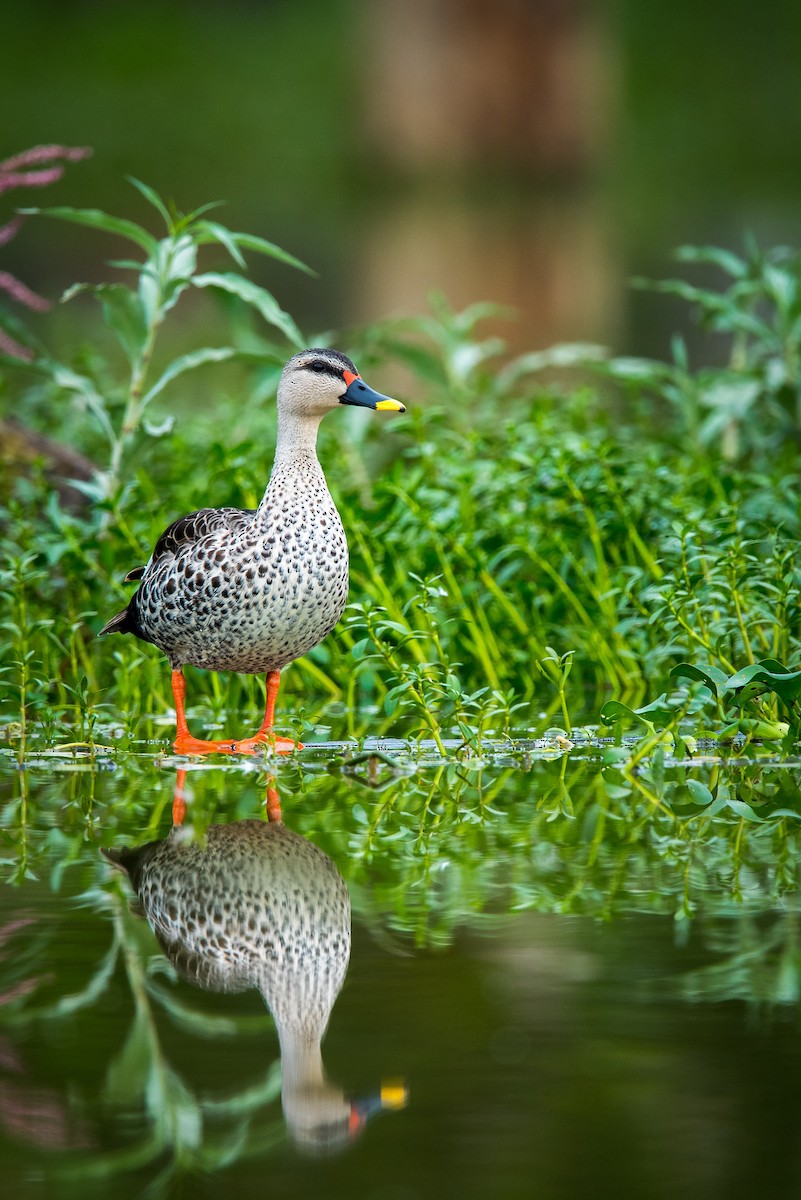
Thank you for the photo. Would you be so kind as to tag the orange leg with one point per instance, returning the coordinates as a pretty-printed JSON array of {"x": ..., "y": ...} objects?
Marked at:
[
  {"x": 265, "y": 735},
  {"x": 186, "y": 743}
]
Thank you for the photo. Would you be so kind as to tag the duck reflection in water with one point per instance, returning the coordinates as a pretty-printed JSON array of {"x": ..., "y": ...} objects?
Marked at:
[{"x": 256, "y": 905}]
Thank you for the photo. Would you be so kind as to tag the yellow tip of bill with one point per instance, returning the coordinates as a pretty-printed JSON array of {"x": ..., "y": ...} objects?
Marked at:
[{"x": 394, "y": 1094}]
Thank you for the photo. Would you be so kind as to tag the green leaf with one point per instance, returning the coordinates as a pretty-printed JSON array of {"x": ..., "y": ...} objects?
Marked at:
[
  {"x": 179, "y": 259},
  {"x": 637, "y": 370},
  {"x": 766, "y": 731},
  {"x": 699, "y": 792},
  {"x": 743, "y": 810},
  {"x": 730, "y": 396},
  {"x": 152, "y": 197},
  {"x": 568, "y": 354},
  {"x": 712, "y": 677},
  {"x": 71, "y": 381},
  {"x": 658, "y": 712},
  {"x": 211, "y": 231},
  {"x": 122, "y": 311},
  {"x": 258, "y": 297},
  {"x": 189, "y": 362},
  {"x": 728, "y": 262},
  {"x": 767, "y": 675},
  {"x": 249, "y": 241},
  {"x": 128, "y": 1073},
  {"x": 615, "y": 710},
  {"x": 96, "y": 219},
  {"x": 170, "y": 1098},
  {"x": 783, "y": 287},
  {"x": 421, "y": 361}
]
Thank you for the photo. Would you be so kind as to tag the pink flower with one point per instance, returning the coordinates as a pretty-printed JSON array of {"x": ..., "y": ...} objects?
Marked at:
[
  {"x": 40, "y": 154},
  {"x": 12, "y": 177}
]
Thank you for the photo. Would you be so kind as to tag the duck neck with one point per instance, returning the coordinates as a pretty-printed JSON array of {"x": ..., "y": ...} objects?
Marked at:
[
  {"x": 301, "y": 1062},
  {"x": 297, "y": 438}
]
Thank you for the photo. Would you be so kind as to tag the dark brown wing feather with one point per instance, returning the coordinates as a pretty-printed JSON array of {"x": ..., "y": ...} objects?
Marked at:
[
  {"x": 196, "y": 525},
  {"x": 183, "y": 532}
]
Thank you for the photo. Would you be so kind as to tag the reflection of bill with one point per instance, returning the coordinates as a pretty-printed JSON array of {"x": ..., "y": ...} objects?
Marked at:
[{"x": 256, "y": 905}]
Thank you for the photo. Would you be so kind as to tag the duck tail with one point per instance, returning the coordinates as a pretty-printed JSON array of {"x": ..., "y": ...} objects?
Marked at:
[
  {"x": 120, "y": 623},
  {"x": 115, "y": 857},
  {"x": 130, "y": 859}
]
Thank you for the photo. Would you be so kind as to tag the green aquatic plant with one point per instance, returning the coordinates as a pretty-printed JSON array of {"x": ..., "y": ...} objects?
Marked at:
[
  {"x": 136, "y": 313},
  {"x": 752, "y": 405},
  {"x": 742, "y": 705},
  {"x": 532, "y": 517}
]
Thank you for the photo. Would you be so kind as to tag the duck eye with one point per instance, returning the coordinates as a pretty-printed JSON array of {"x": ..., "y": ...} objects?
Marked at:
[{"x": 318, "y": 366}]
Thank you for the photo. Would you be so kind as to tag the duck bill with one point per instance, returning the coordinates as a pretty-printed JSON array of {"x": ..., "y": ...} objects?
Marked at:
[
  {"x": 393, "y": 1096},
  {"x": 359, "y": 394}
]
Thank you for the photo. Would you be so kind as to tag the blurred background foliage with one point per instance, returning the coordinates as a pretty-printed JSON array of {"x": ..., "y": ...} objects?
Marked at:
[
  {"x": 529, "y": 152},
  {"x": 533, "y": 155}
]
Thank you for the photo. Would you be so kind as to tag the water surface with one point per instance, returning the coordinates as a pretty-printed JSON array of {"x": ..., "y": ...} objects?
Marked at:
[{"x": 560, "y": 982}]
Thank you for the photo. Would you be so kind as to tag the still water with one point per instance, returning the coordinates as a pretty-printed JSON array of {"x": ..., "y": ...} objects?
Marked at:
[{"x": 392, "y": 979}]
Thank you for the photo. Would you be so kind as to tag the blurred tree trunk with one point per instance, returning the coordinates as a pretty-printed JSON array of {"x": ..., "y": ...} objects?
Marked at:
[
  {"x": 24, "y": 450},
  {"x": 492, "y": 118}
]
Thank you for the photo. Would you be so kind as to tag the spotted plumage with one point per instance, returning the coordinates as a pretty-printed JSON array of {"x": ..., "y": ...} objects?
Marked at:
[
  {"x": 251, "y": 590},
  {"x": 255, "y": 905}
]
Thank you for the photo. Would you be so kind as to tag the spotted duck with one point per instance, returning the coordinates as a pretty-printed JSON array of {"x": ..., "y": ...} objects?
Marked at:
[
  {"x": 255, "y": 905},
  {"x": 245, "y": 590}
]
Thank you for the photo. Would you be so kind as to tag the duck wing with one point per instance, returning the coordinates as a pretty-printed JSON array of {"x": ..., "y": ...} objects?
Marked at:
[
  {"x": 190, "y": 529},
  {"x": 186, "y": 531}
]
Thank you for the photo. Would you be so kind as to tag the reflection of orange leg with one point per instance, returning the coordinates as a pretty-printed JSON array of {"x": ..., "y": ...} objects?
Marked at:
[
  {"x": 273, "y": 802},
  {"x": 179, "y": 798},
  {"x": 184, "y": 742},
  {"x": 265, "y": 735}
]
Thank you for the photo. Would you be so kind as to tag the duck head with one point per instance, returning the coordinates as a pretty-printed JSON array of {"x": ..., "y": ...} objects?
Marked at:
[{"x": 317, "y": 380}]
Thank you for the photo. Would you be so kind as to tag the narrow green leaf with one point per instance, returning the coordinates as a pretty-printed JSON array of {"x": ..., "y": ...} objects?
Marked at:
[
  {"x": 188, "y": 362},
  {"x": 565, "y": 355},
  {"x": 783, "y": 287},
  {"x": 122, "y": 310},
  {"x": 258, "y": 297},
  {"x": 743, "y": 810},
  {"x": 123, "y": 313},
  {"x": 128, "y": 1072},
  {"x": 360, "y": 648},
  {"x": 71, "y": 381},
  {"x": 152, "y": 197},
  {"x": 638, "y": 370},
  {"x": 249, "y": 241},
  {"x": 96, "y": 219},
  {"x": 180, "y": 259},
  {"x": 206, "y": 231},
  {"x": 728, "y": 262}
]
